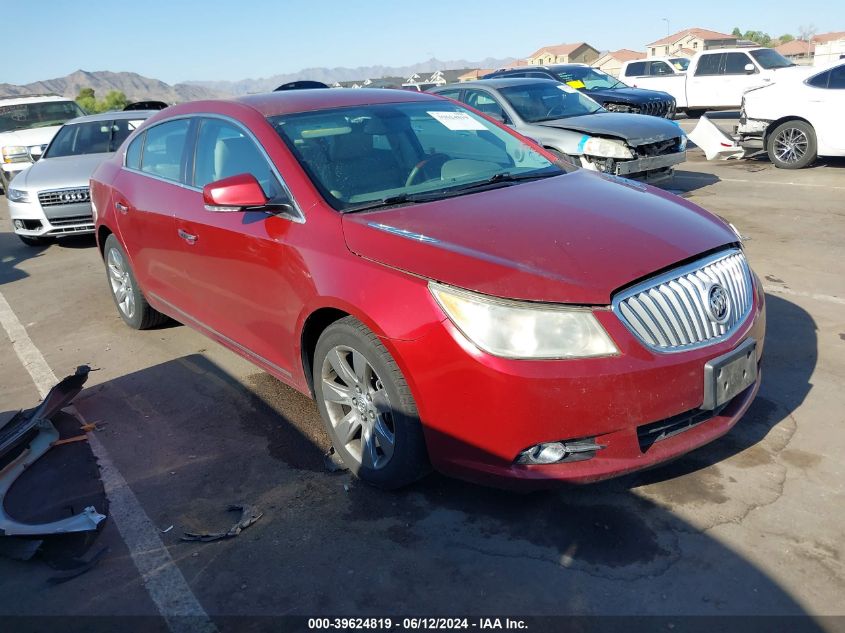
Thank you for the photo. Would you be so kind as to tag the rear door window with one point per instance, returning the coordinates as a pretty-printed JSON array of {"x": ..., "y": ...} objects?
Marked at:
[
  {"x": 709, "y": 65},
  {"x": 635, "y": 69},
  {"x": 164, "y": 149},
  {"x": 660, "y": 68}
]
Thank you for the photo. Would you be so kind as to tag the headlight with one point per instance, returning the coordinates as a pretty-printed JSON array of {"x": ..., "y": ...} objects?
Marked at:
[
  {"x": 620, "y": 107},
  {"x": 516, "y": 329},
  {"x": 18, "y": 195},
  {"x": 15, "y": 154},
  {"x": 604, "y": 147}
]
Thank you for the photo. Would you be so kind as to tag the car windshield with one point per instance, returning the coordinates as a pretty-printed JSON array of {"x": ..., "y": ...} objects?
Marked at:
[
  {"x": 586, "y": 78},
  {"x": 680, "y": 63},
  {"x": 547, "y": 100},
  {"x": 371, "y": 155},
  {"x": 770, "y": 59},
  {"x": 93, "y": 137},
  {"x": 25, "y": 116}
]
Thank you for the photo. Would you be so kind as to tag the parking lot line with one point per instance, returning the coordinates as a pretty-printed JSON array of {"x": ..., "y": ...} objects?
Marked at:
[{"x": 162, "y": 579}]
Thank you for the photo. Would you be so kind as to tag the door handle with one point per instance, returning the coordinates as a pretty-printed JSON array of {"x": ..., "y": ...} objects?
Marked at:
[
  {"x": 121, "y": 207},
  {"x": 188, "y": 237}
]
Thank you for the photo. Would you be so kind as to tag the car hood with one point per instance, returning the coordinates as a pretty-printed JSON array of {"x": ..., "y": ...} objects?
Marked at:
[
  {"x": 57, "y": 173},
  {"x": 28, "y": 138},
  {"x": 574, "y": 238},
  {"x": 636, "y": 129},
  {"x": 629, "y": 95}
]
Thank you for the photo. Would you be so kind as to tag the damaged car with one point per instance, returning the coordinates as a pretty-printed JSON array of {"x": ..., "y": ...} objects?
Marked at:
[
  {"x": 796, "y": 118},
  {"x": 573, "y": 126},
  {"x": 450, "y": 294}
]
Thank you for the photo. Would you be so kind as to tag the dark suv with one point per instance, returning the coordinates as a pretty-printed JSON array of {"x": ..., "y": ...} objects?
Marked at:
[{"x": 611, "y": 93}]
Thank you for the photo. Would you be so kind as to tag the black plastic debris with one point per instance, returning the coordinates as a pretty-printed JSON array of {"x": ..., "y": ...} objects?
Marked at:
[{"x": 249, "y": 515}]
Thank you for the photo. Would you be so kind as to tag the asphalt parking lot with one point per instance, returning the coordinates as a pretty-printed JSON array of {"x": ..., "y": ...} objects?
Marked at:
[{"x": 751, "y": 524}]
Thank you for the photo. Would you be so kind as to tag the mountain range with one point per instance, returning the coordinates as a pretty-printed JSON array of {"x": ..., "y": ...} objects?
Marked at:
[{"x": 137, "y": 87}]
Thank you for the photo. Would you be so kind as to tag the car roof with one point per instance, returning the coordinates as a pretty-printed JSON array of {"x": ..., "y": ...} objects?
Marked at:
[
  {"x": 290, "y": 101},
  {"x": 497, "y": 82},
  {"x": 24, "y": 99},
  {"x": 117, "y": 115}
]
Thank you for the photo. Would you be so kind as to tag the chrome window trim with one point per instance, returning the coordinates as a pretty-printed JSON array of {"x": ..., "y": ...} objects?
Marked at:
[
  {"x": 675, "y": 273},
  {"x": 298, "y": 217}
]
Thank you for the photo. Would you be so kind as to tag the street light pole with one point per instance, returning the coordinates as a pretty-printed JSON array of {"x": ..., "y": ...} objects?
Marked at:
[{"x": 667, "y": 25}]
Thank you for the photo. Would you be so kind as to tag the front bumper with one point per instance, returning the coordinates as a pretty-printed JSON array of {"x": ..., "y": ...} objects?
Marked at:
[
  {"x": 28, "y": 219},
  {"x": 640, "y": 165},
  {"x": 479, "y": 412}
]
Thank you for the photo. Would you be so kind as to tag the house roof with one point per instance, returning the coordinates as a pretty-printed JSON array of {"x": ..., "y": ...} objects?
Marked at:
[
  {"x": 795, "y": 47},
  {"x": 686, "y": 51},
  {"x": 824, "y": 38},
  {"x": 626, "y": 55},
  {"x": 476, "y": 73},
  {"x": 559, "y": 49},
  {"x": 703, "y": 34}
]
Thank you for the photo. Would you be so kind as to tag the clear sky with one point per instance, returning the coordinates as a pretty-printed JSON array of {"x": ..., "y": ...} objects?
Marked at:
[{"x": 177, "y": 40}]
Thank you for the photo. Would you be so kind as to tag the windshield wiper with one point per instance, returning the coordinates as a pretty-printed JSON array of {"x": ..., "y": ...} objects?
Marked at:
[
  {"x": 505, "y": 177},
  {"x": 389, "y": 201}
]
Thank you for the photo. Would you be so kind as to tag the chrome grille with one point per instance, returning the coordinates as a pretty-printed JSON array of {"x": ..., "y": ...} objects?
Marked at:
[
  {"x": 673, "y": 312},
  {"x": 64, "y": 196},
  {"x": 73, "y": 219}
]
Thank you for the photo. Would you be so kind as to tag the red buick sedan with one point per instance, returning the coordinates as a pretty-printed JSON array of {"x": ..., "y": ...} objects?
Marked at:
[{"x": 448, "y": 293}]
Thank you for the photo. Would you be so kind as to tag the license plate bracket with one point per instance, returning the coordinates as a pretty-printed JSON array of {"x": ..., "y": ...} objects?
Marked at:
[{"x": 729, "y": 375}]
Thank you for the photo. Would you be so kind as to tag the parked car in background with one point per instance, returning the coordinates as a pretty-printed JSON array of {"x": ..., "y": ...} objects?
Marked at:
[
  {"x": 51, "y": 198},
  {"x": 571, "y": 124},
  {"x": 797, "y": 118},
  {"x": 608, "y": 91},
  {"x": 716, "y": 79},
  {"x": 446, "y": 292},
  {"x": 27, "y": 124},
  {"x": 637, "y": 70}
]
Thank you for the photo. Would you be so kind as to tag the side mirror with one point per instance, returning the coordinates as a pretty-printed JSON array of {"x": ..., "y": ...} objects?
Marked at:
[
  {"x": 236, "y": 193},
  {"x": 750, "y": 68}
]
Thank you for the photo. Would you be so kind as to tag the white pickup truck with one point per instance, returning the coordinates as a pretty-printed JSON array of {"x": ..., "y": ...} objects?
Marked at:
[{"x": 715, "y": 79}]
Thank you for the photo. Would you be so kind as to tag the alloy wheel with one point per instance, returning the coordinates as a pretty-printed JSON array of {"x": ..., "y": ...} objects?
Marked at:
[
  {"x": 358, "y": 407},
  {"x": 121, "y": 283},
  {"x": 791, "y": 145}
]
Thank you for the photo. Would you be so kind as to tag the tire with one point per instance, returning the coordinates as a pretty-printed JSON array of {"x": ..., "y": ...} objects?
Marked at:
[
  {"x": 128, "y": 298},
  {"x": 792, "y": 145},
  {"x": 4, "y": 182},
  {"x": 366, "y": 404},
  {"x": 34, "y": 241},
  {"x": 695, "y": 114}
]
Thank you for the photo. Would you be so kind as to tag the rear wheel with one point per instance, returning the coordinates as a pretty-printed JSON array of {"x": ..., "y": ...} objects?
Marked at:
[
  {"x": 792, "y": 145},
  {"x": 367, "y": 406},
  {"x": 130, "y": 301}
]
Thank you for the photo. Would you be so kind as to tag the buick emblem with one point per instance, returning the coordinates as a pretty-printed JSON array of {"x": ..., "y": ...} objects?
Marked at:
[{"x": 718, "y": 304}]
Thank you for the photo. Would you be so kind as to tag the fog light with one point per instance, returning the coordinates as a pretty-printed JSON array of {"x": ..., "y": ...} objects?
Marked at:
[
  {"x": 554, "y": 452},
  {"x": 18, "y": 224}
]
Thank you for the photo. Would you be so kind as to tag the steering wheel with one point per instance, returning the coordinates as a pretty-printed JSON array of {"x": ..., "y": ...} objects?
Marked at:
[
  {"x": 425, "y": 163},
  {"x": 558, "y": 106}
]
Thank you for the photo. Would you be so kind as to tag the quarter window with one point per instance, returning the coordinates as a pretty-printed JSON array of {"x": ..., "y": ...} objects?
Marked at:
[
  {"x": 224, "y": 150},
  {"x": 837, "y": 78},
  {"x": 820, "y": 80},
  {"x": 133, "y": 152},
  {"x": 709, "y": 65},
  {"x": 164, "y": 149}
]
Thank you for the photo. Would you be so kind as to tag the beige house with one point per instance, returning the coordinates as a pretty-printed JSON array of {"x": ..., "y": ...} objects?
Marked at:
[
  {"x": 579, "y": 52},
  {"x": 694, "y": 40},
  {"x": 476, "y": 73},
  {"x": 798, "y": 51},
  {"x": 611, "y": 62}
]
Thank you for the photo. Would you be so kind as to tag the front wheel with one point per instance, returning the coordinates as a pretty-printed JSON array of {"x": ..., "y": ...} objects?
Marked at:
[
  {"x": 694, "y": 114},
  {"x": 367, "y": 406},
  {"x": 130, "y": 301},
  {"x": 792, "y": 145}
]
